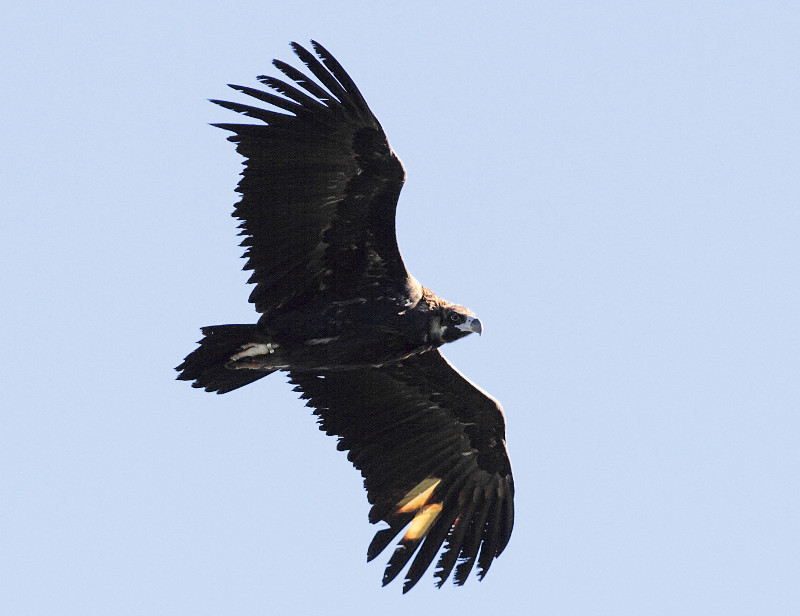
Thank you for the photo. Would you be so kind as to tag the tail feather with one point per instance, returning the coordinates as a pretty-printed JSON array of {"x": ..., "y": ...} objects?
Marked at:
[{"x": 206, "y": 365}]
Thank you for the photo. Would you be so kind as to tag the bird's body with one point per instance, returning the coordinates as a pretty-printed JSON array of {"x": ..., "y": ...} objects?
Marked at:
[{"x": 357, "y": 334}]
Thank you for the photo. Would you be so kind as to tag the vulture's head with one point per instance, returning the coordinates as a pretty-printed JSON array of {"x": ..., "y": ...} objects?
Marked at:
[{"x": 451, "y": 322}]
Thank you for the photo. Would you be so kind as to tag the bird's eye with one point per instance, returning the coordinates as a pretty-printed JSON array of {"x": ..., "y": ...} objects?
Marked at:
[{"x": 455, "y": 317}]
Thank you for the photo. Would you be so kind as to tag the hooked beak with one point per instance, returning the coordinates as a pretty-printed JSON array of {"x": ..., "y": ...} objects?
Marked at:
[{"x": 472, "y": 324}]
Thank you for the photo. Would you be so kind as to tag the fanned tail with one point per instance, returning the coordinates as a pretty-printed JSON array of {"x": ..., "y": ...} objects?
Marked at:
[{"x": 208, "y": 365}]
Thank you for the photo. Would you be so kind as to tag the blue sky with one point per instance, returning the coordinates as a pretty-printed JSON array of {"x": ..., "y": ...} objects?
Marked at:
[{"x": 612, "y": 187}]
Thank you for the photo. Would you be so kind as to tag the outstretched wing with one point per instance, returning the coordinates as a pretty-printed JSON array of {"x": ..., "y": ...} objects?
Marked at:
[
  {"x": 431, "y": 447},
  {"x": 319, "y": 189}
]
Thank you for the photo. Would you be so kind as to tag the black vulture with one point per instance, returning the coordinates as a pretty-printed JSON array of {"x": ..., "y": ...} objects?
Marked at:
[{"x": 358, "y": 335}]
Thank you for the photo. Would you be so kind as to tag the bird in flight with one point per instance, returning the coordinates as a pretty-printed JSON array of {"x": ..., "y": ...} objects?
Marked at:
[{"x": 357, "y": 334}]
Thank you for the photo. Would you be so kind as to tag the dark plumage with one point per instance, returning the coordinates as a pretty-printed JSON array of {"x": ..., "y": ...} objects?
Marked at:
[{"x": 358, "y": 335}]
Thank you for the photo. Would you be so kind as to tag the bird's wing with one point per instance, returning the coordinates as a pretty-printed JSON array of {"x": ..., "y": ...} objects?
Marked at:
[
  {"x": 431, "y": 447},
  {"x": 319, "y": 189}
]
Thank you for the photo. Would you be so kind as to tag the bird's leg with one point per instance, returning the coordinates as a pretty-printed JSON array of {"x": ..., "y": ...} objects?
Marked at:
[{"x": 254, "y": 356}]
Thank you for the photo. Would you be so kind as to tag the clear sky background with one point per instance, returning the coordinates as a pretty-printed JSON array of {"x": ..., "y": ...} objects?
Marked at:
[{"x": 613, "y": 187}]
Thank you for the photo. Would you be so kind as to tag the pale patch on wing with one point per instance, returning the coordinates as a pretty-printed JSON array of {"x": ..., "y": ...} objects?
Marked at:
[
  {"x": 374, "y": 258},
  {"x": 255, "y": 349},
  {"x": 422, "y": 521},
  {"x": 349, "y": 302},
  {"x": 418, "y": 496},
  {"x": 416, "y": 500},
  {"x": 315, "y": 341}
]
